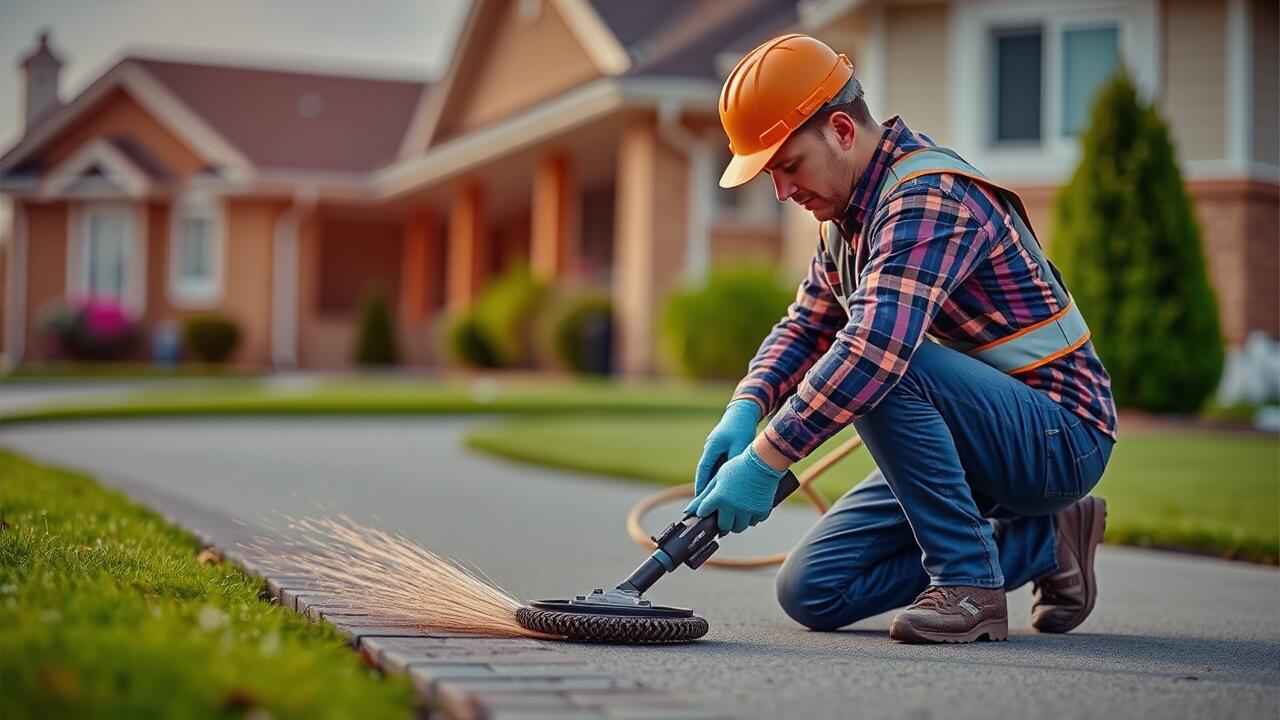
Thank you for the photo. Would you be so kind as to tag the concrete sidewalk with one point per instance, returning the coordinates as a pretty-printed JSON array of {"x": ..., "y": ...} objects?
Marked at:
[{"x": 1173, "y": 636}]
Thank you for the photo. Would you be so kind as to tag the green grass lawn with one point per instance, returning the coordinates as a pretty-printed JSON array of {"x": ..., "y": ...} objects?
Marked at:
[
  {"x": 107, "y": 614},
  {"x": 395, "y": 396},
  {"x": 82, "y": 372},
  {"x": 1190, "y": 490}
]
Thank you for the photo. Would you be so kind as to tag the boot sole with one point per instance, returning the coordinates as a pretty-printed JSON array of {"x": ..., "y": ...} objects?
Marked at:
[
  {"x": 996, "y": 630},
  {"x": 1093, "y": 524}
]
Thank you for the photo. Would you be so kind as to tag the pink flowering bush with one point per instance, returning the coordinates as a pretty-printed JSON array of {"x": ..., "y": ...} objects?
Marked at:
[{"x": 90, "y": 329}]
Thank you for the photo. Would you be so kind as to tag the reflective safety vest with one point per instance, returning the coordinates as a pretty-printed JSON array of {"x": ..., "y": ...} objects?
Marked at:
[{"x": 1024, "y": 350}]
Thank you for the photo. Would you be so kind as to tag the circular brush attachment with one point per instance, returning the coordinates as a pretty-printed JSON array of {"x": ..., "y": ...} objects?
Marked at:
[{"x": 604, "y": 625}]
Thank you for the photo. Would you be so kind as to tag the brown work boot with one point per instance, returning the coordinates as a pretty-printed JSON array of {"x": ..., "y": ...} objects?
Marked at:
[
  {"x": 1064, "y": 599},
  {"x": 953, "y": 614}
]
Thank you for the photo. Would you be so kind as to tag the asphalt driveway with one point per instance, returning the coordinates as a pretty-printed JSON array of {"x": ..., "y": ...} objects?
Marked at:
[{"x": 1173, "y": 636}]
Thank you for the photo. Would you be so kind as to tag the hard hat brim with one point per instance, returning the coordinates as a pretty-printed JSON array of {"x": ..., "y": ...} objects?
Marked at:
[{"x": 742, "y": 168}]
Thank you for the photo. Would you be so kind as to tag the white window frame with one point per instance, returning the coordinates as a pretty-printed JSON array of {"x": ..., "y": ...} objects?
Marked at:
[
  {"x": 972, "y": 49},
  {"x": 183, "y": 292},
  {"x": 134, "y": 293}
]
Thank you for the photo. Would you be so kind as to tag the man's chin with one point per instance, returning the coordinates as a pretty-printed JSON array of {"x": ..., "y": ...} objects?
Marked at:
[{"x": 822, "y": 213}]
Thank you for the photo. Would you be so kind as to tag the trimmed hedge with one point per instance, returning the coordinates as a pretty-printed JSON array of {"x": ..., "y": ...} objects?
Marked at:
[
  {"x": 467, "y": 343},
  {"x": 713, "y": 332},
  {"x": 499, "y": 330},
  {"x": 1127, "y": 243},
  {"x": 210, "y": 338},
  {"x": 577, "y": 332}
]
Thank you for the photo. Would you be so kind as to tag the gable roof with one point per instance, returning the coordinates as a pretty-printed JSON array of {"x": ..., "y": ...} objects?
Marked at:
[
  {"x": 683, "y": 37},
  {"x": 114, "y": 164},
  {"x": 296, "y": 120},
  {"x": 242, "y": 118},
  {"x": 654, "y": 38}
]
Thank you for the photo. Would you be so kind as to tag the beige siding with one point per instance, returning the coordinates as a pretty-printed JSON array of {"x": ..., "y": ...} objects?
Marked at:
[
  {"x": 520, "y": 63},
  {"x": 848, "y": 34},
  {"x": 1195, "y": 77},
  {"x": 46, "y": 267},
  {"x": 120, "y": 114},
  {"x": 250, "y": 227},
  {"x": 915, "y": 67},
  {"x": 1266, "y": 81}
]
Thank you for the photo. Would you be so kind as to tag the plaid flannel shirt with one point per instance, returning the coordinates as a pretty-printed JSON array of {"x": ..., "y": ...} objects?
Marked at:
[{"x": 939, "y": 255}]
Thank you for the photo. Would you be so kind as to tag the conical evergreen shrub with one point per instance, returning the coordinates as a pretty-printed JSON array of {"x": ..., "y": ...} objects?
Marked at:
[
  {"x": 1127, "y": 243},
  {"x": 376, "y": 341}
]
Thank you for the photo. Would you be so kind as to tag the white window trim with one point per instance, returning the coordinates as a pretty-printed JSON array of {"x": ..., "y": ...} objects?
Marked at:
[
  {"x": 134, "y": 297},
  {"x": 971, "y": 47},
  {"x": 182, "y": 292},
  {"x": 121, "y": 178}
]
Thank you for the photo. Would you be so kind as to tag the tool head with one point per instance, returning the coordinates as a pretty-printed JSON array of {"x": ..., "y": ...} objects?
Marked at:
[
  {"x": 612, "y": 617},
  {"x": 622, "y": 615}
]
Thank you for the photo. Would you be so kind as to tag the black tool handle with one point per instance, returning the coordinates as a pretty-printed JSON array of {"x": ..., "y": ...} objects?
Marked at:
[{"x": 691, "y": 540}]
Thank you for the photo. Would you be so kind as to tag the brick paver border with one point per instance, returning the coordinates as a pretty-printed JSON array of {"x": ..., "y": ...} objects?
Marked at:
[{"x": 457, "y": 676}]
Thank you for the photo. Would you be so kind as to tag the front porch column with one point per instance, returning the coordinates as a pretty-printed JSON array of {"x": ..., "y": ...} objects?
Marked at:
[
  {"x": 649, "y": 249},
  {"x": 417, "y": 277},
  {"x": 555, "y": 217},
  {"x": 468, "y": 254},
  {"x": 288, "y": 288}
]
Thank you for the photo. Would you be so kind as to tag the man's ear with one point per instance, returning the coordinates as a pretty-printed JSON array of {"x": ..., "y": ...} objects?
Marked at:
[{"x": 844, "y": 129}]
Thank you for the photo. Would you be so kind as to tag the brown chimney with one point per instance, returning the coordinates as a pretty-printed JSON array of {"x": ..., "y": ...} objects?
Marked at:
[{"x": 41, "y": 69}]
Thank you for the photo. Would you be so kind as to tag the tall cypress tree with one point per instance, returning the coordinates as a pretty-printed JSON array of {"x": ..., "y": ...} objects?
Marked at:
[
  {"x": 1128, "y": 245},
  {"x": 376, "y": 336}
]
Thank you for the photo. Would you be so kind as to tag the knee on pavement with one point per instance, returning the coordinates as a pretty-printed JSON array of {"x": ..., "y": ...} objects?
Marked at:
[{"x": 817, "y": 605}]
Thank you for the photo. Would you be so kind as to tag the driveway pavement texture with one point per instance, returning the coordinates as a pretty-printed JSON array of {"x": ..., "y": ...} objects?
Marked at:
[{"x": 1173, "y": 636}]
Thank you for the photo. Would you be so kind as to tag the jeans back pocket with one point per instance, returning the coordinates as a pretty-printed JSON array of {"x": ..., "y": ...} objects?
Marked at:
[{"x": 1061, "y": 469}]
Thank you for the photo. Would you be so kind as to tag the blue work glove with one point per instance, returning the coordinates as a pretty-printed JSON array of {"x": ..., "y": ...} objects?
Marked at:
[
  {"x": 742, "y": 492},
  {"x": 732, "y": 435}
]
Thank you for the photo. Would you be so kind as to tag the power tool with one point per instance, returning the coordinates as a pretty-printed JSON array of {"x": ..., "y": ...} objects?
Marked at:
[{"x": 623, "y": 615}]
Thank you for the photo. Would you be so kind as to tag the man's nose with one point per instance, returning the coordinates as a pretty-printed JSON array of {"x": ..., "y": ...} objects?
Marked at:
[{"x": 782, "y": 186}]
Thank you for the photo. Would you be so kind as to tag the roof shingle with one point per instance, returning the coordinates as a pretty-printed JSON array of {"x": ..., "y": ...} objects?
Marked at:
[{"x": 282, "y": 119}]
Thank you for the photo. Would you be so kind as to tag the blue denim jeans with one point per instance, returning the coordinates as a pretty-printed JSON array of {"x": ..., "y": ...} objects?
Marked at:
[{"x": 971, "y": 465}]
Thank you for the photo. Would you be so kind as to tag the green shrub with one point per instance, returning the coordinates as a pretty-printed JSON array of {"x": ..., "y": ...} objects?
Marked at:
[
  {"x": 577, "y": 332},
  {"x": 498, "y": 331},
  {"x": 1128, "y": 245},
  {"x": 467, "y": 343},
  {"x": 376, "y": 341},
  {"x": 505, "y": 313},
  {"x": 210, "y": 338},
  {"x": 712, "y": 332}
]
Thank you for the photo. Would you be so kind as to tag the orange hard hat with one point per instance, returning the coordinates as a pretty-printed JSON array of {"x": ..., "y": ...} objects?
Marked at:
[{"x": 770, "y": 93}]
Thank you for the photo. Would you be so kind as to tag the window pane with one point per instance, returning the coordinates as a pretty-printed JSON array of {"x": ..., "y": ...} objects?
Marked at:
[
  {"x": 1017, "y": 86},
  {"x": 1089, "y": 58},
  {"x": 195, "y": 248},
  {"x": 106, "y": 254}
]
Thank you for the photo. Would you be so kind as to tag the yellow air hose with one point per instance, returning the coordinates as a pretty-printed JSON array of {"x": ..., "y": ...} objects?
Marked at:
[{"x": 643, "y": 507}]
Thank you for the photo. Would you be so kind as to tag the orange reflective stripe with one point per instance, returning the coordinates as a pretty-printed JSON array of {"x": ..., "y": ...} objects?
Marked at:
[
  {"x": 1046, "y": 360},
  {"x": 1030, "y": 328}
]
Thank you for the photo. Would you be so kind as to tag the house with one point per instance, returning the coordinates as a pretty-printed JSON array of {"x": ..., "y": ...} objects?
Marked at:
[
  {"x": 581, "y": 136},
  {"x": 1006, "y": 83},
  {"x": 184, "y": 188}
]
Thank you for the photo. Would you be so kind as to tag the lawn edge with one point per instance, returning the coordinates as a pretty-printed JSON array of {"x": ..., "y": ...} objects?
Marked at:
[
  {"x": 1128, "y": 536},
  {"x": 442, "y": 693}
]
